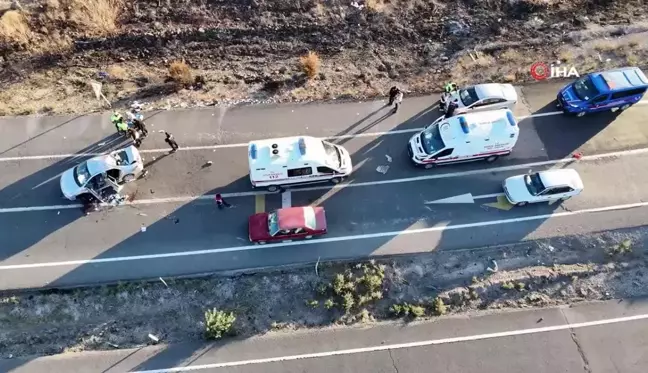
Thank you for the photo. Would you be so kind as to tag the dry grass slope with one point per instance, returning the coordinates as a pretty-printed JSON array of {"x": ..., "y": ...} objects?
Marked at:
[
  {"x": 14, "y": 28},
  {"x": 180, "y": 73}
]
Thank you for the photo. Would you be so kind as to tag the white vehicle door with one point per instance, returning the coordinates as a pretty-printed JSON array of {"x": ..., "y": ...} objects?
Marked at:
[{"x": 552, "y": 194}]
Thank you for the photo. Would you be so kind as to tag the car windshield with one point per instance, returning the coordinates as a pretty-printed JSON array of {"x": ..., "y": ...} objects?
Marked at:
[
  {"x": 468, "y": 96},
  {"x": 121, "y": 158},
  {"x": 81, "y": 174},
  {"x": 431, "y": 140},
  {"x": 273, "y": 224},
  {"x": 534, "y": 184},
  {"x": 585, "y": 89},
  {"x": 334, "y": 160}
]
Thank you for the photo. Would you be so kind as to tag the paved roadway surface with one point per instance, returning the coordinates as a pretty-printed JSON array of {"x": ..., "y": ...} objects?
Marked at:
[
  {"x": 594, "y": 338},
  {"x": 47, "y": 242}
]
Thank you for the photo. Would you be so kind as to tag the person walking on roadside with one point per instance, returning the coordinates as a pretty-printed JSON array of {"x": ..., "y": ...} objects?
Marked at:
[
  {"x": 170, "y": 140},
  {"x": 393, "y": 91}
]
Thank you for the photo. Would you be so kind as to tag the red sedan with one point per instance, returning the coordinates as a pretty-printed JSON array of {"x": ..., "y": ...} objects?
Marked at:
[{"x": 287, "y": 224}]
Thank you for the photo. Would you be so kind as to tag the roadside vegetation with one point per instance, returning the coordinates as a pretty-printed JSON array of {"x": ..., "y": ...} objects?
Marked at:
[
  {"x": 293, "y": 50},
  {"x": 128, "y": 314}
]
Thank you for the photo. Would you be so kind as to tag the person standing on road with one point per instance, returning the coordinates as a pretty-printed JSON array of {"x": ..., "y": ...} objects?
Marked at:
[
  {"x": 170, "y": 140},
  {"x": 393, "y": 91},
  {"x": 220, "y": 202},
  {"x": 398, "y": 98},
  {"x": 452, "y": 106}
]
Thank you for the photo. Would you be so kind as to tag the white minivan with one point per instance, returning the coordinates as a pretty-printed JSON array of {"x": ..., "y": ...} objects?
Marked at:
[
  {"x": 296, "y": 160},
  {"x": 465, "y": 138}
]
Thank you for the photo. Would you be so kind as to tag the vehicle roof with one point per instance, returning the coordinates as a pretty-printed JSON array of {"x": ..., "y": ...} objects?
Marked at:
[
  {"x": 100, "y": 164},
  {"x": 289, "y": 151},
  {"x": 619, "y": 79},
  {"x": 477, "y": 126},
  {"x": 558, "y": 177},
  {"x": 496, "y": 90},
  {"x": 297, "y": 217}
]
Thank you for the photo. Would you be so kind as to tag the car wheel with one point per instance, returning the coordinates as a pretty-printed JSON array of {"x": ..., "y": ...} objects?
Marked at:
[
  {"x": 427, "y": 166},
  {"x": 580, "y": 114},
  {"x": 260, "y": 242},
  {"x": 565, "y": 198},
  {"x": 128, "y": 178},
  {"x": 615, "y": 109},
  {"x": 336, "y": 180},
  {"x": 491, "y": 159},
  {"x": 521, "y": 204},
  {"x": 272, "y": 188},
  {"x": 624, "y": 107},
  {"x": 308, "y": 237}
]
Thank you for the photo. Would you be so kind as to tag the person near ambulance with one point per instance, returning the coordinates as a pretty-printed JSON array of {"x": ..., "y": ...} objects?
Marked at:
[
  {"x": 120, "y": 124},
  {"x": 464, "y": 138}
]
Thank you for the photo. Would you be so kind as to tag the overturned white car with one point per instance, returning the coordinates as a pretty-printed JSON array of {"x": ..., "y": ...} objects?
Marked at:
[{"x": 102, "y": 176}]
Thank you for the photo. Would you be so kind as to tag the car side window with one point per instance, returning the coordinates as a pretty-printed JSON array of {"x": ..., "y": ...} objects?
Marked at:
[
  {"x": 478, "y": 103},
  {"x": 599, "y": 99},
  {"x": 298, "y": 230},
  {"x": 304, "y": 171},
  {"x": 444, "y": 153},
  {"x": 618, "y": 95},
  {"x": 325, "y": 170},
  {"x": 560, "y": 190}
]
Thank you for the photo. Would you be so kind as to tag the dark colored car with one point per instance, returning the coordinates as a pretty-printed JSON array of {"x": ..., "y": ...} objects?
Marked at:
[{"x": 287, "y": 224}]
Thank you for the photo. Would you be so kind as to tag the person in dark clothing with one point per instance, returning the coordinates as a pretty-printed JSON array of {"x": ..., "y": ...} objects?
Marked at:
[
  {"x": 135, "y": 135},
  {"x": 393, "y": 91},
  {"x": 220, "y": 202},
  {"x": 170, "y": 140},
  {"x": 452, "y": 106},
  {"x": 140, "y": 126}
]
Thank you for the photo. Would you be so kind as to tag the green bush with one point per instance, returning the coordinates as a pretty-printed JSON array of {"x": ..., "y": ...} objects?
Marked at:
[
  {"x": 439, "y": 307},
  {"x": 508, "y": 286},
  {"x": 218, "y": 323},
  {"x": 417, "y": 311}
]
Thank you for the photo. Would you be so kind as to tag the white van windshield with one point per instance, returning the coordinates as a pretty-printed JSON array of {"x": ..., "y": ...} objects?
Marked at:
[
  {"x": 333, "y": 158},
  {"x": 431, "y": 140}
]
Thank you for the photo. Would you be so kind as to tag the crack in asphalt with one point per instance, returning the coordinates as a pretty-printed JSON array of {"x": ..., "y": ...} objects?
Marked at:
[
  {"x": 579, "y": 348},
  {"x": 393, "y": 361}
]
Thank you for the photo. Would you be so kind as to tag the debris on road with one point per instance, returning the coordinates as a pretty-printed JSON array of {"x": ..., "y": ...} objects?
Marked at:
[
  {"x": 389, "y": 159},
  {"x": 382, "y": 169},
  {"x": 143, "y": 228}
]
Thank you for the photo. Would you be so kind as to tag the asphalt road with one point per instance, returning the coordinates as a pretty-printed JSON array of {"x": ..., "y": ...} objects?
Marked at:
[
  {"x": 374, "y": 214},
  {"x": 596, "y": 338}
]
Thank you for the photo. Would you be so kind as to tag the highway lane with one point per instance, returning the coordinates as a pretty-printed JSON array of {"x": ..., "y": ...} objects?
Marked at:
[
  {"x": 35, "y": 181},
  {"x": 197, "y": 237},
  {"x": 603, "y": 337}
]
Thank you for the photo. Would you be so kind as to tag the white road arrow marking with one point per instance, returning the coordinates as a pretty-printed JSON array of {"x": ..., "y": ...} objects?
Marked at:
[{"x": 463, "y": 198}]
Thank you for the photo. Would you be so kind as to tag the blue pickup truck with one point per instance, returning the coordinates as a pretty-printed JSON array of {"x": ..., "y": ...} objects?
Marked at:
[{"x": 612, "y": 90}]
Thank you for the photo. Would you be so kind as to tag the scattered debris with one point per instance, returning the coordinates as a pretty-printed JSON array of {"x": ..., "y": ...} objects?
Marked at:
[
  {"x": 493, "y": 269},
  {"x": 154, "y": 338},
  {"x": 141, "y": 214},
  {"x": 382, "y": 169},
  {"x": 389, "y": 159},
  {"x": 143, "y": 228},
  {"x": 164, "y": 282}
]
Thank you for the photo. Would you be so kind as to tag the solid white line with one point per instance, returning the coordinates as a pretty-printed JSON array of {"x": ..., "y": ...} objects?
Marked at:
[
  {"x": 286, "y": 199},
  {"x": 241, "y": 145},
  {"x": 399, "y": 346},
  {"x": 182, "y": 199},
  {"x": 328, "y": 239}
]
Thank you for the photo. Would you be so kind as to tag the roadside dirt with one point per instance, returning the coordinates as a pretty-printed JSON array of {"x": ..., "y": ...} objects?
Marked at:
[
  {"x": 530, "y": 274},
  {"x": 248, "y": 51}
]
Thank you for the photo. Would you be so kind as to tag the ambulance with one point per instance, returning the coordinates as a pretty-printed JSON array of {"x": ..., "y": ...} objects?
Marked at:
[
  {"x": 296, "y": 160},
  {"x": 465, "y": 138}
]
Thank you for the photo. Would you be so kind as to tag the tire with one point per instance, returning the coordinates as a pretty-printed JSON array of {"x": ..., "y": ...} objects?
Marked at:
[
  {"x": 428, "y": 166},
  {"x": 624, "y": 107},
  {"x": 615, "y": 109},
  {"x": 336, "y": 180},
  {"x": 580, "y": 114},
  {"x": 308, "y": 237},
  {"x": 128, "y": 178},
  {"x": 521, "y": 204},
  {"x": 491, "y": 159},
  {"x": 261, "y": 242},
  {"x": 565, "y": 198},
  {"x": 273, "y": 188}
]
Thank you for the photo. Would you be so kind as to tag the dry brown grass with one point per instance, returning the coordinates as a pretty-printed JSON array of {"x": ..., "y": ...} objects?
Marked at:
[
  {"x": 310, "y": 64},
  {"x": 95, "y": 17},
  {"x": 511, "y": 55},
  {"x": 566, "y": 55},
  {"x": 375, "y": 5},
  {"x": 180, "y": 72},
  {"x": 116, "y": 72},
  {"x": 14, "y": 28},
  {"x": 605, "y": 46}
]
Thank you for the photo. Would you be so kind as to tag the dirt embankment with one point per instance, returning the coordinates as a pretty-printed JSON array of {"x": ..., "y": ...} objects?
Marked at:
[
  {"x": 531, "y": 274},
  {"x": 249, "y": 50}
]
